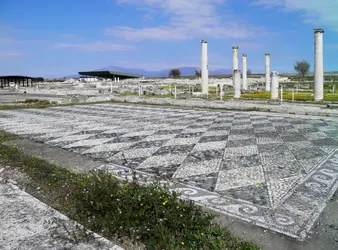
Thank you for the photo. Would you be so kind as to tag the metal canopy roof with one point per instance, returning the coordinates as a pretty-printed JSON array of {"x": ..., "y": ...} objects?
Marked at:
[
  {"x": 16, "y": 77},
  {"x": 109, "y": 74}
]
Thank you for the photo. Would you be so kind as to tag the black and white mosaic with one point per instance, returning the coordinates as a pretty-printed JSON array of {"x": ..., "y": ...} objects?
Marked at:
[{"x": 273, "y": 170}]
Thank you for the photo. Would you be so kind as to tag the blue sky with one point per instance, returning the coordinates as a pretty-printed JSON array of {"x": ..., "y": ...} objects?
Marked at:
[{"x": 62, "y": 37}]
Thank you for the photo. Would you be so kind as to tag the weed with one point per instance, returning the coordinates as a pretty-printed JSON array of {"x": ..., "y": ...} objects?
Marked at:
[
  {"x": 288, "y": 96},
  {"x": 149, "y": 213}
]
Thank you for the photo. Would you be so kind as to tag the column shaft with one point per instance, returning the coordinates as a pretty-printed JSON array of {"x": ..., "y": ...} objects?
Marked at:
[
  {"x": 237, "y": 83},
  {"x": 234, "y": 58},
  {"x": 274, "y": 85},
  {"x": 204, "y": 68},
  {"x": 319, "y": 66}
]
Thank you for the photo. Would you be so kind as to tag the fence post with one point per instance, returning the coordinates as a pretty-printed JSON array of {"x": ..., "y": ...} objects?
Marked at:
[
  {"x": 293, "y": 95},
  {"x": 221, "y": 92},
  {"x": 175, "y": 91}
]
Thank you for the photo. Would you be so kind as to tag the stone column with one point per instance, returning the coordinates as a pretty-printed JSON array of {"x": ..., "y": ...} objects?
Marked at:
[
  {"x": 244, "y": 72},
  {"x": 204, "y": 68},
  {"x": 319, "y": 66},
  {"x": 274, "y": 85},
  {"x": 234, "y": 58},
  {"x": 236, "y": 79},
  {"x": 267, "y": 72}
]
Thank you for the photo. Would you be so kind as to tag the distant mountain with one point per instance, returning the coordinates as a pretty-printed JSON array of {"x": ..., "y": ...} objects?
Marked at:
[
  {"x": 220, "y": 72},
  {"x": 185, "y": 71},
  {"x": 73, "y": 76}
]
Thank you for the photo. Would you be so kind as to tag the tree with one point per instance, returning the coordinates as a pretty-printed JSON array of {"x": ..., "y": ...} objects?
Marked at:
[
  {"x": 302, "y": 67},
  {"x": 175, "y": 73},
  {"x": 198, "y": 73},
  {"x": 249, "y": 72}
]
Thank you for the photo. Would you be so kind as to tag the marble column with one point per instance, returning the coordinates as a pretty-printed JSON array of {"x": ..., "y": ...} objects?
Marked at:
[
  {"x": 267, "y": 72},
  {"x": 204, "y": 68},
  {"x": 235, "y": 58},
  {"x": 319, "y": 66},
  {"x": 244, "y": 72},
  {"x": 274, "y": 85},
  {"x": 236, "y": 79}
]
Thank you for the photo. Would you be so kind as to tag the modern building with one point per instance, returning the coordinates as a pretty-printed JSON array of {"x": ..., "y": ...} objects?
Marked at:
[
  {"x": 109, "y": 74},
  {"x": 24, "y": 81}
]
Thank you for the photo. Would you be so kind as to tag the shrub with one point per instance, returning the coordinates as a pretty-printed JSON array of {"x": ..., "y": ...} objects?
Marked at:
[{"x": 148, "y": 213}]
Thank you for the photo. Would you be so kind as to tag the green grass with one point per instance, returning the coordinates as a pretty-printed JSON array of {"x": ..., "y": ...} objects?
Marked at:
[
  {"x": 37, "y": 101},
  {"x": 150, "y": 214},
  {"x": 159, "y": 96},
  {"x": 288, "y": 96},
  {"x": 148, "y": 96},
  {"x": 5, "y": 136},
  {"x": 26, "y": 106},
  {"x": 129, "y": 94},
  {"x": 37, "y": 105}
]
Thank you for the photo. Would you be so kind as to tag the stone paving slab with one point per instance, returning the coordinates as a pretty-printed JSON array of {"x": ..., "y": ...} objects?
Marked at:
[
  {"x": 277, "y": 171},
  {"x": 23, "y": 224}
]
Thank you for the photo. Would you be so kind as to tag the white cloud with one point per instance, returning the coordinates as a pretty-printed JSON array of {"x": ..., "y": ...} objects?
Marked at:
[
  {"x": 9, "y": 54},
  {"x": 11, "y": 40},
  {"x": 316, "y": 12},
  {"x": 9, "y": 28},
  {"x": 94, "y": 46},
  {"x": 7, "y": 40},
  {"x": 187, "y": 20}
]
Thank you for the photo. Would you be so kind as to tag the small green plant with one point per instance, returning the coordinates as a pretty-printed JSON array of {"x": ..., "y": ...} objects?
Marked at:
[
  {"x": 147, "y": 213},
  {"x": 5, "y": 136},
  {"x": 34, "y": 101},
  {"x": 288, "y": 96}
]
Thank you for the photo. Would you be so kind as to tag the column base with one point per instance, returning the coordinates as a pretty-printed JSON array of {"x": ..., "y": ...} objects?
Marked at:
[{"x": 318, "y": 99}]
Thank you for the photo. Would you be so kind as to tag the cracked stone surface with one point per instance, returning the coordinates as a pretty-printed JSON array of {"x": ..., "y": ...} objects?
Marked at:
[
  {"x": 27, "y": 223},
  {"x": 277, "y": 171}
]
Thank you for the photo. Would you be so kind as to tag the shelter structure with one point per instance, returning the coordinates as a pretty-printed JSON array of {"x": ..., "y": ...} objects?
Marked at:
[
  {"x": 24, "y": 81},
  {"x": 109, "y": 74}
]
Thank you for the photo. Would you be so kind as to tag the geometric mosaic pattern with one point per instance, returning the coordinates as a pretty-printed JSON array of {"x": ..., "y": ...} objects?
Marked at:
[{"x": 259, "y": 160}]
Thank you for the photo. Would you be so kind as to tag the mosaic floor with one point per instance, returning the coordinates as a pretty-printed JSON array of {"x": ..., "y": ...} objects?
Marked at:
[{"x": 272, "y": 170}]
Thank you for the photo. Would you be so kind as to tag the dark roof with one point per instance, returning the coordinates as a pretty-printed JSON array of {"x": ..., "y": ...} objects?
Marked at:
[
  {"x": 17, "y": 77},
  {"x": 109, "y": 74}
]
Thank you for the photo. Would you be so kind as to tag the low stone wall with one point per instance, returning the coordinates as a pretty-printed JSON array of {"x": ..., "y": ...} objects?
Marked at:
[
  {"x": 59, "y": 92},
  {"x": 232, "y": 105}
]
